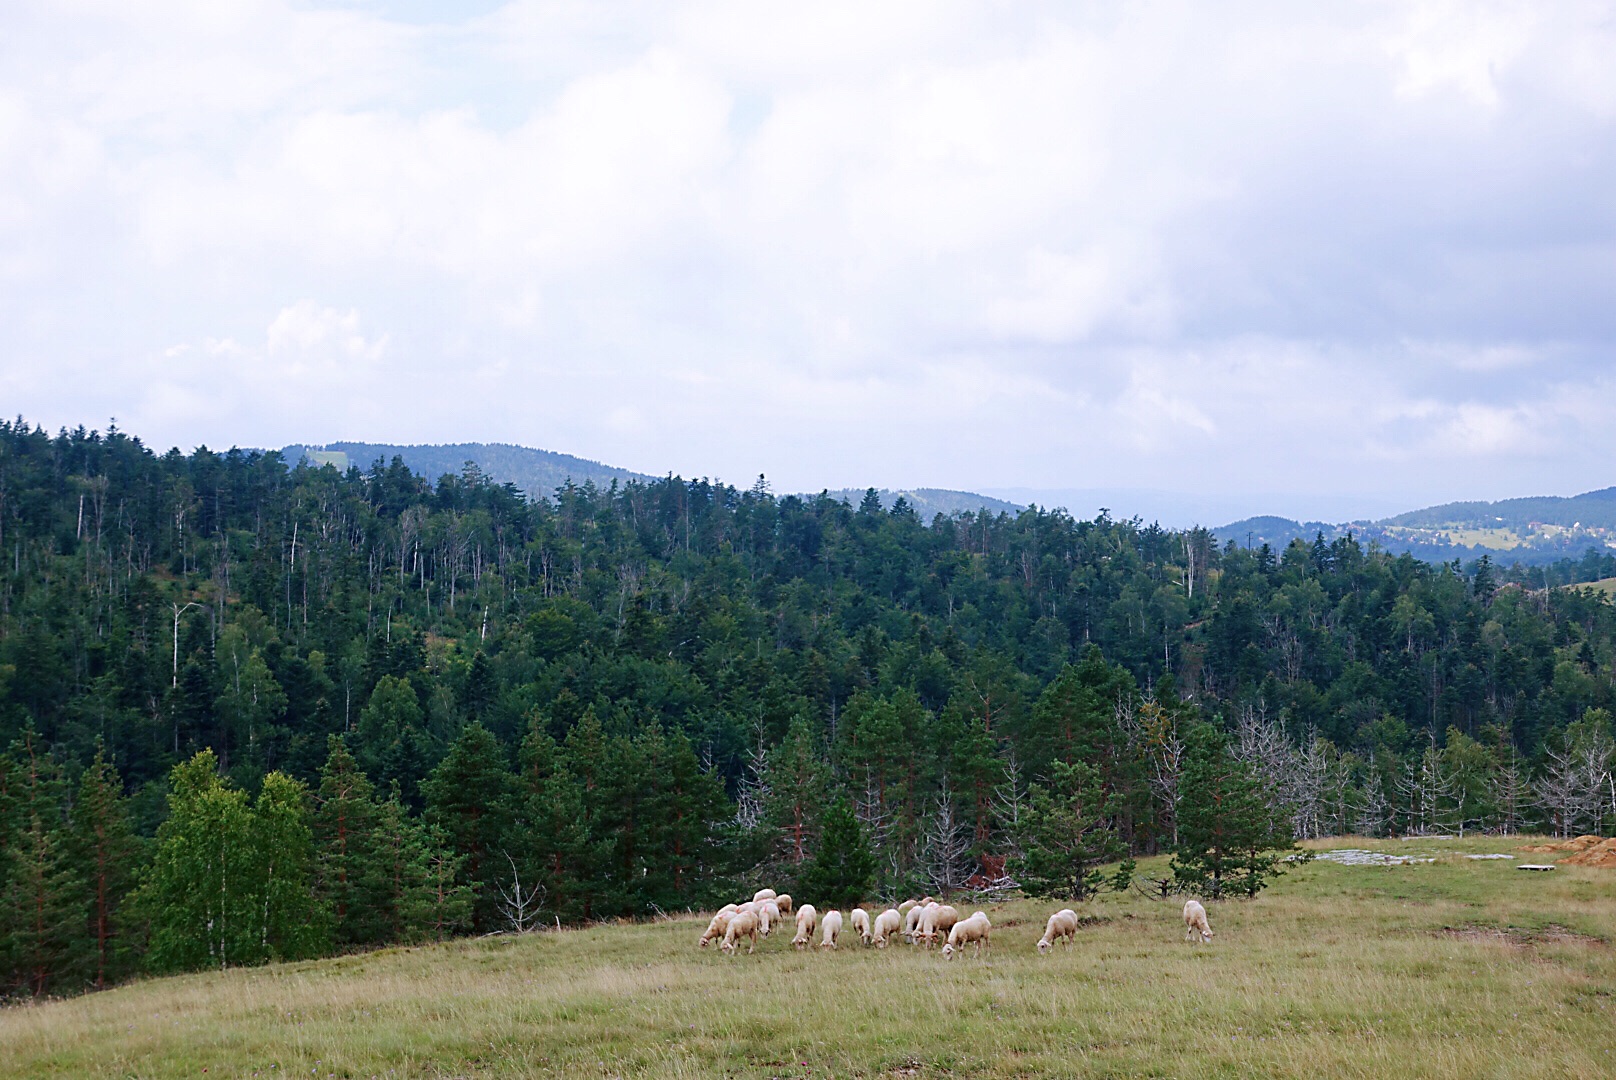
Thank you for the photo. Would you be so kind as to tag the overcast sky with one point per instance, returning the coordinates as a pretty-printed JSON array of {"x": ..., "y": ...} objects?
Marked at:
[{"x": 1356, "y": 254}]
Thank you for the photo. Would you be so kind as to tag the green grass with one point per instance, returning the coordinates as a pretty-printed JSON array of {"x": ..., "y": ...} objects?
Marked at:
[
  {"x": 1457, "y": 968},
  {"x": 1603, "y": 585}
]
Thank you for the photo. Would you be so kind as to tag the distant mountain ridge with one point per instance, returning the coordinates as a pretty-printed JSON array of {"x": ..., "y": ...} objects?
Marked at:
[
  {"x": 928, "y": 502},
  {"x": 1532, "y": 530},
  {"x": 537, "y": 473}
]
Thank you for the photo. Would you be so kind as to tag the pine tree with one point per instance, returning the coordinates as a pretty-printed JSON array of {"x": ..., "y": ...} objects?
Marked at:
[
  {"x": 685, "y": 805},
  {"x": 553, "y": 842},
  {"x": 39, "y": 916},
  {"x": 1229, "y": 839},
  {"x": 410, "y": 880},
  {"x": 344, "y": 826},
  {"x": 104, "y": 849},
  {"x": 842, "y": 870},
  {"x": 797, "y": 797},
  {"x": 1067, "y": 834},
  {"x": 468, "y": 796}
]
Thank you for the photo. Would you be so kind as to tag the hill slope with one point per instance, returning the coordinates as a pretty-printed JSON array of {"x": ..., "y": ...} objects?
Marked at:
[
  {"x": 1534, "y": 531},
  {"x": 931, "y": 501},
  {"x": 537, "y": 473},
  {"x": 1402, "y": 983}
]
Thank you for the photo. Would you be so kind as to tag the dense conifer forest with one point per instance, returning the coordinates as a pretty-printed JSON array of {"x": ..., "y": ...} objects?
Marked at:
[{"x": 254, "y": 711}]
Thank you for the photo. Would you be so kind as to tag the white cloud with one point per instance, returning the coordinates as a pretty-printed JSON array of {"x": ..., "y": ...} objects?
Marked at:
[{"x": 1157, "y": 244}]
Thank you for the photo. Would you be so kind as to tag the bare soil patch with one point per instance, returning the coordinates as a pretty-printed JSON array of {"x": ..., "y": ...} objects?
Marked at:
[
  {"x": 1516, "y": 937},
  {"x": 1585, "y": 851}
]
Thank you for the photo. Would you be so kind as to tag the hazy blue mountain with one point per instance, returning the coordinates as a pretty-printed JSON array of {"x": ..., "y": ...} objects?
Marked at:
[
  {"x": 1185, "y": 509},
  {"x": 1276, "y": 532},
  {"x": 1534, "y": 531},
  {"x": 536, "y": 472},
  {"x": 1595, "y": 509},
  {"x": 929, "y": 502}
]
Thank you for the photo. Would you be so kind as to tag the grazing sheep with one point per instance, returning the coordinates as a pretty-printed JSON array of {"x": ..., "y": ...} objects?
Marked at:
[
  {"x": 832, "y": 924},
  {"x": 887, "y": 923},
  {"x": 1061, "y": 925},
  {"x": 911, "y": 921},
  {"x": 743, "y": 924},
  {"x": 763, "y": 894},
  {"x": 861, "y": 923},
  {"x": 716, "y": 928},
  {"x": 968, "y": 931},
  {"x": 729, "y": 909},
  {"x": 768, "y": 914},
  {"x": 807, "y": 919},
  {"x": 1195, "y": 922},
  {"x": 903, "y": 908},
  {"x": 784, "y": 900},
  {"x": 938, "y": 919}
]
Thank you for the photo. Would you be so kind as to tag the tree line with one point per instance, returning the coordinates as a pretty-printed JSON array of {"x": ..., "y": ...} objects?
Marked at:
[{"x": 258, "y": 709}]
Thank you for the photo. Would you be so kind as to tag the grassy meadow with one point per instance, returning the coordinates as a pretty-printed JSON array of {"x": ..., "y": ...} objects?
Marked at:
[{"x": 1454, "y": 968}]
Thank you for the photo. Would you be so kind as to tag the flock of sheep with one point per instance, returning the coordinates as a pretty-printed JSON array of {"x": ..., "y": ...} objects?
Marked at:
[{"x": 920, "y": 922}]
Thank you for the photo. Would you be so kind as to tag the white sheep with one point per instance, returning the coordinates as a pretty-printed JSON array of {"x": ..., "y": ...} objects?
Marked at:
[
  {"x": 1061, "y": 925},
  {"x": 729, "y": 909},
  {"x": 742, "y": 924},
  {"x": 715, "y": 928},
  {"x": 1195, "y": 922},
  {"x": 938, "y": 919},
  {"x": 905, "y": 907},
  {"x": 968, "y": 931},
  {"x": 832, "y": 925},
  {"x": 763, "y": 894},
  {"x": 911, "y": 921},
  {"x": 887, "y": 923},
  {"x": 861, "y": 923},
  {"x": 807, "y": 919},
  {"x": 784, "y": 900},
  {"x": 768, "y": 913}
]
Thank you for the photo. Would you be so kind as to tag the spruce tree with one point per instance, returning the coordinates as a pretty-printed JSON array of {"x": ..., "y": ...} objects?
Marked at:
[{"x": 842, "y": 870}]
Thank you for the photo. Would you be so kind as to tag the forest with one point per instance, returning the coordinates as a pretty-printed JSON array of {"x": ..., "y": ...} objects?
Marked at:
[{"x": 256, "y": 710}]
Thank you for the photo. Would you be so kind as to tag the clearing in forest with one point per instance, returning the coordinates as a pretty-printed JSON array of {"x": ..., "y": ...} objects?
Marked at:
[{"x": 1456, "y": 967}]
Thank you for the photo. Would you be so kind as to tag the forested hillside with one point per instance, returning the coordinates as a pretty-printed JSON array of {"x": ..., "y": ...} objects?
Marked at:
[
  {"x": 255, "y": 711},
  {"x": 534, "y": 472}
]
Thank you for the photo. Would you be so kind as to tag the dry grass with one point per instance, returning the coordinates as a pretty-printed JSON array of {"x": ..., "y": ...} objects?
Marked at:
[{"x": 1453, "y": 968}]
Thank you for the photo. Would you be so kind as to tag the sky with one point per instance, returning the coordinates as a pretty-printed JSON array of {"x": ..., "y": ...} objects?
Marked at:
[{"x": 1322, "y": 260}]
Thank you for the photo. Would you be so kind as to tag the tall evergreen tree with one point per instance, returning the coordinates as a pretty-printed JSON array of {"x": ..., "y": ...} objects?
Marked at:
[
  {"x": 104, "y": 852},
  {"x": 1230, "y": 841},
  {"x": 842, "y": 870},
  {"x": 553, "y": 842},
  {"x": 344, "y": 824},
  {"x": 1068, "y": 834},
  {"x": 468, "y": 796},
  {"x": 39, "y": 916}
]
